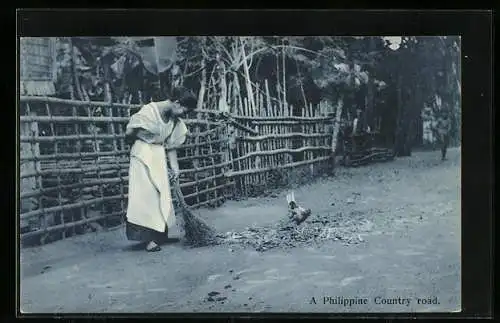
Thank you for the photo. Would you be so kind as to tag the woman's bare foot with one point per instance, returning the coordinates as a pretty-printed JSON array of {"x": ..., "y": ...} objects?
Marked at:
[{"x": 152, "y": 247}]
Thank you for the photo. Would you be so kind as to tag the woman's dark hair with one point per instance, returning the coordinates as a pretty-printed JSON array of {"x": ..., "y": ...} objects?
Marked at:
[{"x": 185, "y": 97}]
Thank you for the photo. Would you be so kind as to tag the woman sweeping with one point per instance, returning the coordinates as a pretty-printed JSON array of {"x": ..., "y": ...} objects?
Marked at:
[{"x": 157, "y": 125}]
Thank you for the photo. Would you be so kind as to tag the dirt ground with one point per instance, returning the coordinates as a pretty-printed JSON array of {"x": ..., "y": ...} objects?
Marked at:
[{"x": 410, "y": 249}]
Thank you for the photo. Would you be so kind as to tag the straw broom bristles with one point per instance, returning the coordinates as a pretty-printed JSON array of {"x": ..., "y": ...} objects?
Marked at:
[{"x": 197, "y": 233}]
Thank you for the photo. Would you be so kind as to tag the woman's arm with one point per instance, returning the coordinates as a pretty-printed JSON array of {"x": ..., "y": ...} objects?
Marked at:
[
  {"x": 174, "y": 164},
  {"x": 140, "y": 133},
  {"x": 130, "y": 136},
  {"x": 175, "y": 140}
]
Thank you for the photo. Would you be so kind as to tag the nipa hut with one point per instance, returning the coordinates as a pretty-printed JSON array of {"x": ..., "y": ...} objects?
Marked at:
[{"x": 37, "y": 66}]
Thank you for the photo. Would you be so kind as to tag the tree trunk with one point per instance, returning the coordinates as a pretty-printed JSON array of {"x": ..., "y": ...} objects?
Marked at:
[
  {"x": 278, "y": 86},
  {"x": 76, "y": 80},
  {"x": 237, "y": 92},
  {"x": 284, "y": 78},
  {"x": 399, "y": 145},
  {"x": 301, "y": 84},
  {"x": 222, "y": 106},
  {"x": 407, "y": 130},
  {"x": 248, "y": 81},
  {"x": 336, "y": 125},
  {"x": 201, "y": 92},
  {"x": 417, "y": 114},
  {"x": 368, "y": 119},
  {"x": 199, "y": 105}
]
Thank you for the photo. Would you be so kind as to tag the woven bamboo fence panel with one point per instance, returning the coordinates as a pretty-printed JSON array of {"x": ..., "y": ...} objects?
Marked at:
[
  {"x": 292, "y": 145},
  {"x": 74, "y": 165},
  {"x": 74, "y": 160}
]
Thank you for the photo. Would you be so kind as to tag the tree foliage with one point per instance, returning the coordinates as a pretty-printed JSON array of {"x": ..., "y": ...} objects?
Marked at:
[{"x": 395, "y": 83}]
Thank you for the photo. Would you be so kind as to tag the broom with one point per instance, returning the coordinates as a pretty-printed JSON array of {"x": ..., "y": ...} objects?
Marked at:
[{"x": 197, "y": 233}]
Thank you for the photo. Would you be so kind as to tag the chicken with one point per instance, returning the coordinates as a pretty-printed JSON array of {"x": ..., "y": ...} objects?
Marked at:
[{"x": 295, "y": 212}]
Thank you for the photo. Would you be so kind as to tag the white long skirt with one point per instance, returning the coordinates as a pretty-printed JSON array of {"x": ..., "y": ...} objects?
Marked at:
[{"x": 149, "y": 197}]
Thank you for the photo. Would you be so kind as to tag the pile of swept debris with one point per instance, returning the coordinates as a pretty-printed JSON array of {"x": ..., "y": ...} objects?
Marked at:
[
  {"x": 300, "y": 228},
  {"x": 287, "y": 234}
]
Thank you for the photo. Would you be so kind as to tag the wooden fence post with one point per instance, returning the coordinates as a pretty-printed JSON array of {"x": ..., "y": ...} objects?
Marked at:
[
  {"x": 336, "y": 128},
  {"x": 29, "y": 184}
]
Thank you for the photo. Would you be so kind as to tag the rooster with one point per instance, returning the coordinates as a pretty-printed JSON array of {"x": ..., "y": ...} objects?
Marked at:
[{"x": 295, "y": 212}]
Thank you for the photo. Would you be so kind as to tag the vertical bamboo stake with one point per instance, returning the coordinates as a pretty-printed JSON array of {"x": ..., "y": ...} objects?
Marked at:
[
  {"x": 201, "y": 92},
  {"x": 214, "y": 172},
  {"x": 283, "y": 65},
  {"x": 199, "y": 106},
  {"x": 284, "y": 108},
  {"x": 35, "y": 152},
  {"x": 268, "y": 98},
  {"x": 58, "y": 174},
  {"x": 251, "y": 148},
  {"x": 140, "y": 98},
  {"x": 277, "y": 143},
  {"x": 27, "y": 149},
  {"x": 196, "y": 152},
  {"x": 257, "y": 105},
  {"x": 241, "y": 106},
  {"x": 291, "y": 129},
  {"x": 244, "y": 162},
  {"x": 121, "y": 148},
  {"x": 238, "y": 104},
  {"x": 249, "y": 176},
  {"x": 264, "y": 146},
  {"x": 282, "y": 143},
  {"x": 115, "y": 143},
  {"x": 227, "y": 156},
  {"x": 278, "y": 87},
  {"x": 96, "y": 161},
  {"x": 231, "y": 164},
  {"x": 311, "y": 128},
  {"x": 257, "y": 100},
  {"x": 275, "y": 129},
  {"x": 246, "y": 110},
  {"x": 230, "y": 97},
  {"x": 261, "y": 104},
  {"x": 83, "y": 210},
  {"x": 336, "y": 127},
  {"x": 257, "y": 148},
  {"x": 238, "y": 162},
  {"x": 304, "y": 139}
]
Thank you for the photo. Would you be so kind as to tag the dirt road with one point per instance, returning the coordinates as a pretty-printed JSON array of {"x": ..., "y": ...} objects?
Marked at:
[{"x": 410, "y": 250}]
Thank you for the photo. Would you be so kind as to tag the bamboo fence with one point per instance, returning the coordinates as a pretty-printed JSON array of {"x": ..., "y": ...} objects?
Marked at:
[
  {"x": 291, "y": 144},
  {"x": 74, "y": 159},
  {"x": 74, "y": 165}
]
